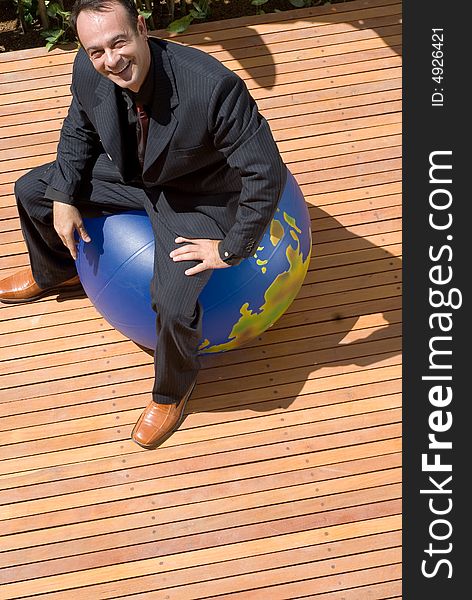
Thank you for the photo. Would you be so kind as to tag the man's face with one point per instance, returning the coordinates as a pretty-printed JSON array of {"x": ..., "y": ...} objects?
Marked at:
[{"x": 116, "y": 50}]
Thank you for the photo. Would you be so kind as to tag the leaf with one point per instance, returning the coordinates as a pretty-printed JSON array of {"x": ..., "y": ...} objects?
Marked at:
[
  {"x": 297, "y": 3},
  {"x": 258, "y": 2},
  {"x": 180, "y": 25},
  {"x": 200, "y": 11},
  {"x": 52, "y": 35},
  {"x": 53, "y": 9},
  {"x": 145, "y": 13}
]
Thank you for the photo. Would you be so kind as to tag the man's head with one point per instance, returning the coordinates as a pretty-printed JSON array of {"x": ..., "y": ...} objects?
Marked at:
[{"x": 114, "y": 36}]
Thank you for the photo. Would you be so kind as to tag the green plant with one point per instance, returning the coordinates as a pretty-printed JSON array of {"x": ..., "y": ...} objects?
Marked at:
[
  {"x": 258, "y": 4},
  {"x": 26, "y": 11},
  {"x": 146, "y": 11},
  {"x": 199, "y": 10},
  {"x": 60, "y": 18},
  {"x": 308, "y": 3}
]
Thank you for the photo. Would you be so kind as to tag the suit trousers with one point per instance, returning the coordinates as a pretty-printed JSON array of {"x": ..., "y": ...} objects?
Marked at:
[{"x": 174, "y": 295}]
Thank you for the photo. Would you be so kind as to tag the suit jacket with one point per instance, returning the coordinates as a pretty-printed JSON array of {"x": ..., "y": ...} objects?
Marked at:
[{"x": 209, "y": 152}]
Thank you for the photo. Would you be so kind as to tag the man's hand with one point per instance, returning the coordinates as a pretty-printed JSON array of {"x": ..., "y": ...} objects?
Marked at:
[
  {"x": 204, "y": 250},
  {"x": 67, "y": 220}
]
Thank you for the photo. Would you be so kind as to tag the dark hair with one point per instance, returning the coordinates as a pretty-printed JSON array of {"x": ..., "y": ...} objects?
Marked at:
[{"x": 103, "y": 6}]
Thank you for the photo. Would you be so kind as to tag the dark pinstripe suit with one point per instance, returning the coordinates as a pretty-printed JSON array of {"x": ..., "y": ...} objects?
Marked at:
[{"x": 211, "y": 170}]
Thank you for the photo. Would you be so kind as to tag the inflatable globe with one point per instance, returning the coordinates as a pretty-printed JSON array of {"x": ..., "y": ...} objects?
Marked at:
[{"x": 239, "y": 303}]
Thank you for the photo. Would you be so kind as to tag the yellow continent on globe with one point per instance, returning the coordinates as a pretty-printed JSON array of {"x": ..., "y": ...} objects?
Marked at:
[{"x": 277, "y": 298}]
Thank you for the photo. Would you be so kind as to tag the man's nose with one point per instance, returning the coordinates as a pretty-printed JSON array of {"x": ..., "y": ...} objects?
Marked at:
[{"x": 112, "y": 58}]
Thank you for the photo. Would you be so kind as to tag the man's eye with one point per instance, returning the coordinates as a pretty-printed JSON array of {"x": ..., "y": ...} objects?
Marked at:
[{"x": 95, "y": 54}]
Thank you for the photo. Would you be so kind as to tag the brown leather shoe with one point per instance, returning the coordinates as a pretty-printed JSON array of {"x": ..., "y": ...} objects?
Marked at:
[
  {"x": 159, "y": 421},
  {"x": 21, "y": 287}
]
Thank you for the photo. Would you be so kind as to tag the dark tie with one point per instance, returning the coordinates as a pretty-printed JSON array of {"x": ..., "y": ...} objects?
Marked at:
[{"x": 142, "y": 131}]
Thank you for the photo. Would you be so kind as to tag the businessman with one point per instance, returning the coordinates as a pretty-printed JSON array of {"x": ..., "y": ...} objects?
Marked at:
[{"x": 157, "y": 126}]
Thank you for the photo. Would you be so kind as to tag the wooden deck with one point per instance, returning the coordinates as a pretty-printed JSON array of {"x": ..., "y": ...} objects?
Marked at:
[{"x": 284, "y": 480}]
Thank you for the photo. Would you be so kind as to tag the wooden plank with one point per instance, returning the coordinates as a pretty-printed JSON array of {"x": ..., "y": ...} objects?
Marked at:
[
  {"x": 369, "y": 526},
  {"x": 118, "y": 442},
  {"x": 334, "y": 13},
  {"x": 276, "y": 344},
  {"x": 346, "y": 117},
  {"x": 138, "y": 466},
  {"x": 261, "y": 496},
  {"x": 228, "y": 29},
  {"x": 299, "y": 313},
  {"x": 381, "y": 136},
  {"x": 284, "y": 586},
  {"x": 245, "y": 38},
  {"x": 16, "y": 565},
  {"x": 316, "y": 273},
  {"x": 376, "y": 591},
  {"x": 320, "y": 586},
  {"x": 48, "y": 119},
  {"x": 291, "y": 319},
  {"x": 328, "y": 167},
  {"x": 106, "y": 558},
  {"x": 342, "y": 36},
  {"x": 19, "y": 440},
  {"x": 365, "y": 157},
  {"x": 139, "y": 361},
  {"x": 61, "y": 74},
  {"x": 299, "y": 138},
  {"x": 348, "y": 41},
  {"x": 57, "y": 91},
  {"x": 279, "y": 559},
  {"x": 375, "y": 190},
  {"x": 232, "y": 27},
  {"x": 61, "y": 357}
]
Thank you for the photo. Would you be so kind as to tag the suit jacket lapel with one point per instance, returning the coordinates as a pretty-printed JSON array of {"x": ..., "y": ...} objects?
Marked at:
[
  {"x": 107, "y": 116},
  {"x": 162, "y": 119}
]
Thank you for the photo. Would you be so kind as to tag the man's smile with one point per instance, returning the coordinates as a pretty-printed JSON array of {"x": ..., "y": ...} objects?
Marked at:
[{"x": 121, "y": 70}]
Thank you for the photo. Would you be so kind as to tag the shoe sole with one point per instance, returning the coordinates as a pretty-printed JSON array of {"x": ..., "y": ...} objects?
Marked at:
[
  {"x": 48, "y": 292},
  {"x": 169, "y": 433}
]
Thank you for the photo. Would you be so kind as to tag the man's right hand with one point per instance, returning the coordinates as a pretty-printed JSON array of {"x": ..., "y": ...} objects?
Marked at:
[{"x": 67, "y": 220}]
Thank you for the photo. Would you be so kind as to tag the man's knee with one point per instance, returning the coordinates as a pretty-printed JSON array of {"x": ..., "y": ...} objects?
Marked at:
[
  {"x": 172, "y": 310},
  {"x": 29, "y": 188}
]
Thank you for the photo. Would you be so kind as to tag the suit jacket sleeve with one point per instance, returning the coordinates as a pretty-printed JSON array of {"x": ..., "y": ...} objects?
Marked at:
[
  {"x": 243, "y": 136},
  {"x": 76, "y": 151}
]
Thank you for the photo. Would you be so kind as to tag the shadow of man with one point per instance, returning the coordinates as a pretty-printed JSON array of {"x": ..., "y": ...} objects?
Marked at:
[
  {"x": 347, "y": 315},
  {"x": 344, "y": 35}
]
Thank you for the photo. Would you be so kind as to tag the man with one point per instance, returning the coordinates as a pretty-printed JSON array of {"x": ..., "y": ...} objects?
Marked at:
[{"x": 156, "y": 126}]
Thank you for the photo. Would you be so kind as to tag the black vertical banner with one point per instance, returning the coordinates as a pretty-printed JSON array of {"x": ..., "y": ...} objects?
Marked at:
[{"x": 437, "y": 322}]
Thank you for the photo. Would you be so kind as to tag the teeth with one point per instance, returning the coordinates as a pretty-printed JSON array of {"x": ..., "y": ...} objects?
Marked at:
[{"x": 123, "y": 69}]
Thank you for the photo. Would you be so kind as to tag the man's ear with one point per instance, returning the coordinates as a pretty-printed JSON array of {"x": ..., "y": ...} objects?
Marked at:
[{"x": 141, "y": 25}]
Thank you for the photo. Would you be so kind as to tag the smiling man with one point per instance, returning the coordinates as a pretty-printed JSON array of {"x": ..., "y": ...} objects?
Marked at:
[
  {"x": 116, "y": 44},
  {"x": 157, "y": 126}
]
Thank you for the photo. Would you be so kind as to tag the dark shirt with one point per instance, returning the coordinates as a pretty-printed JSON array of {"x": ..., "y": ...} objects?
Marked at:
[{"x": 130, "y": 122}]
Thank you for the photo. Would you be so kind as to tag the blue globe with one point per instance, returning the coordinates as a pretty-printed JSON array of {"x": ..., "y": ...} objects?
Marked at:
[{"x": 239, "y": 303}]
